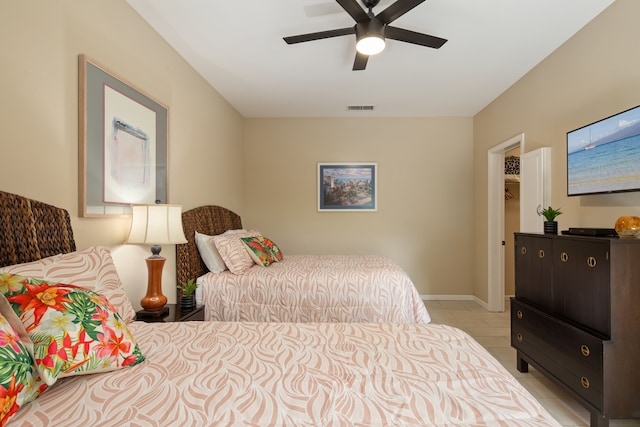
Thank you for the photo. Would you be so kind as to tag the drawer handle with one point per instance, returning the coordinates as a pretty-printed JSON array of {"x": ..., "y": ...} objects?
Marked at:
[
  {"x": 591, "y": 261},
  {"x": 585, "y": 382},
  {"x": 523, "y": 250},
  {"x": 564, "y": 257},
  {"x": 585, "y": 350},
  {"x": 519, "y": 314},
  {"x": 541, "y": 253},
  {"x": 519, "y": 337}
]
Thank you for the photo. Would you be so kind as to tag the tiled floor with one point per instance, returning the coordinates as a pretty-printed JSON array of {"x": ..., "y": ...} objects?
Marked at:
[{"x": 492, "y": 331}]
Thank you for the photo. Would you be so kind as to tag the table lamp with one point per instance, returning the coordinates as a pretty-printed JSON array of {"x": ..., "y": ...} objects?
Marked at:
[{"x": 156, "y": 225}]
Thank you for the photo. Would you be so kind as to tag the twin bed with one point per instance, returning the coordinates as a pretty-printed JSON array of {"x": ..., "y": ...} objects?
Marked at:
[
  {"x": 297, "y": 288},
  {"x": 235, "y": 373}
]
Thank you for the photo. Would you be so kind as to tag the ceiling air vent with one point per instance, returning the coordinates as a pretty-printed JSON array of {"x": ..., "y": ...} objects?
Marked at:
[{"x": 359, "y": 107}]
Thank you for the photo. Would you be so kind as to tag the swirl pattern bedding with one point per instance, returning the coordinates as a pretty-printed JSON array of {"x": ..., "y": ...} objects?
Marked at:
[
  {"x": 259, "y": 374},
  {"x": 315, "y": 288},
  {"x": 276, "y": 374}
]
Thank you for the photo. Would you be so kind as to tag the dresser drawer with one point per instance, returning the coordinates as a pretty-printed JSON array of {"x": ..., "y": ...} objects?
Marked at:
[{"x": 570, "y": 354}]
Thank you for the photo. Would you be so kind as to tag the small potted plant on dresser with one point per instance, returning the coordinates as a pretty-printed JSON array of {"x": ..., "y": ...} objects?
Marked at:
[
  {"x": 187, "y": 295},
  {"x": 550, "y": 224}
]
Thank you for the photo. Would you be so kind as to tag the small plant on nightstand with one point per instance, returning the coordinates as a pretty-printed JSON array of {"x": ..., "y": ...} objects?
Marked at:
[{"x": 188, "y": 297}]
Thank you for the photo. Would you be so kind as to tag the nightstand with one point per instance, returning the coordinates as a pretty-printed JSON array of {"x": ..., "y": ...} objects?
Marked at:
[{"x": 174, "y": 314}]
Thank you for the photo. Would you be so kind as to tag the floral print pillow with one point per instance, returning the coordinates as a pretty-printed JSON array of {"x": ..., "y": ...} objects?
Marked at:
[
  {"x": 91, "y": 268},
  {"x": 74, "y": 330},
  {"x": 276, "y": 253},
  {"x": 257, "y": 251},
  {"x": 20, "y": 382}
]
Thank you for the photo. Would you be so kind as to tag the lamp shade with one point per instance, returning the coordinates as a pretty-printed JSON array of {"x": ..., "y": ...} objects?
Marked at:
[{"x": 156, "y": 225}]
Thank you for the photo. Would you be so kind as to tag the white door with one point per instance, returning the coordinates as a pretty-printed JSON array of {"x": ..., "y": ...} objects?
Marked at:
[{"x": 535, "y": 183}]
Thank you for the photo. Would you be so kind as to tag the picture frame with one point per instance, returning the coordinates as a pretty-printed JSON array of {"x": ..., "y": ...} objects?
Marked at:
[
  {"x": 123, "y": 144},
  {"x": 347, "y": 187}
]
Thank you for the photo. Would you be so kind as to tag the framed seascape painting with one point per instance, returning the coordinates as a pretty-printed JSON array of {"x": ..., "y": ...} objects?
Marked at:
[
  {"x": 347, "y": 187},
  {"x": 122, "y": 144}
]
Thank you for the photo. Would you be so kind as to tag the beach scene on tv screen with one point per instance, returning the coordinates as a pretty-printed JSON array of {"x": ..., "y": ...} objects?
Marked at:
[{"x": 604, "y": 157}]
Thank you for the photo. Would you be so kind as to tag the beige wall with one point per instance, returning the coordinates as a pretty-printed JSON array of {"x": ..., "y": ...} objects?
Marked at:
[
  {"x": 425, "y": 193},
  {"x": 41, "y": 41},
  {"x": 593, "y": 75}
]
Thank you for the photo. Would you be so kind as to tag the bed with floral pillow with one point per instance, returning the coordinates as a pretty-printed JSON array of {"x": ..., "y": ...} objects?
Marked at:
[
  {"x": 68, "y": 358},
  {"x": 243, "y": 275},
  {"x": 72, "y": 355},
  {"x": 52, "y": 330}
]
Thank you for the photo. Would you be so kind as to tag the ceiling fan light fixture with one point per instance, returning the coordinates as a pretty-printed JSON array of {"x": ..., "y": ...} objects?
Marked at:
[
  {"x": 370, "y": 36},
  {"x": 370, "y": 45}
]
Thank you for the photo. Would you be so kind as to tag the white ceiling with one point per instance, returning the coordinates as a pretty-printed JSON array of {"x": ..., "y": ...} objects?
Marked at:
[{"x": 237, "y": 46}]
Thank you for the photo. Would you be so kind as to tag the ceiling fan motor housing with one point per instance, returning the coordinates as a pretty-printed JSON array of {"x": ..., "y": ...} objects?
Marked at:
[{"x": 373, "y": 27}]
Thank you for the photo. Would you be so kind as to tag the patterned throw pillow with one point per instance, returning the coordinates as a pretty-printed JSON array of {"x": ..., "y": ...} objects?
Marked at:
[
  {"x": 20, "y": 382},
  {"x": 276, "y": 253},
  {"x": 74, "y": 330},
  {"x": 258, "y": 252},
  {"x": 92, "y": 268},
  {"x": 232, "y": 251}
]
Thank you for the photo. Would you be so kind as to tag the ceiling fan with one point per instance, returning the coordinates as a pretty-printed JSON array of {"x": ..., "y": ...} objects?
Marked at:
[{"x": 371, "y": 30}]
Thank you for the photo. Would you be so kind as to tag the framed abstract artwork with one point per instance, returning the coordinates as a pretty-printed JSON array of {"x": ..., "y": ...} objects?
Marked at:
[
  {"x": 347, "y": 187},
  {"x": 122, "y": 144}
]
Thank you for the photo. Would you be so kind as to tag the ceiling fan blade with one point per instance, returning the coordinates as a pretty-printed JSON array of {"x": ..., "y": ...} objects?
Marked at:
[
  {"x": 353, "y": 8},
  {"x": 360, "y": 63},
  {"x": 319, "y": 35},
  {"x": 409, "y": 36},
  {"x": 397, "y": 9}
]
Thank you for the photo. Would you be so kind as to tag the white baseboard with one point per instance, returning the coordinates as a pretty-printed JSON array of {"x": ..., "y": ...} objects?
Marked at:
[
  {"x": 455, "y": 298},
  {"x": 447, "y": 297}
]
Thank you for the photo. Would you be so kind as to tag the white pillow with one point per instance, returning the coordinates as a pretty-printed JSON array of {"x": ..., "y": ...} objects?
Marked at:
[
  {"x": 209, "y": 253},
  {"x": 238, "y": 231}
]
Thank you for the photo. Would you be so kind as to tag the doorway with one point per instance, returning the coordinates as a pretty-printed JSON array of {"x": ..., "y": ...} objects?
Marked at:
[{"x": 496, "y": 225}]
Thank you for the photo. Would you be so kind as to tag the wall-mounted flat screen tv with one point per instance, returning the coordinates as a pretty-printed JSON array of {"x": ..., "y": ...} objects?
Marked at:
[{"x": 604, "y": 157}]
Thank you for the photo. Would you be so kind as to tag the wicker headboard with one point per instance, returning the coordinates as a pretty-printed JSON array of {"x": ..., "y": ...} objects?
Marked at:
[
  {"x": 32, "y": 230},
  {"x": 210, "y": 220}
]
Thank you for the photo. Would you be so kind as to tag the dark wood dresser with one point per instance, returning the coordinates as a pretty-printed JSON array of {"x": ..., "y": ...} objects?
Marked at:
[{"x": 576, "y": 318}]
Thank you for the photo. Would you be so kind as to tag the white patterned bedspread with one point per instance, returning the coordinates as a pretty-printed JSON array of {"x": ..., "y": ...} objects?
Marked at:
[
  {"x": 315, "y": 288},
  {"x": 285, "y": 374}
]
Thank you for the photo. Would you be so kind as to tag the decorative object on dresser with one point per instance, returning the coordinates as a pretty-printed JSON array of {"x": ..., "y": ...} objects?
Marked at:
[
  {"x": 155, "y": 225},
  {"x": 628, "y": 227},
  {"x": 550, "y": 223},
  {"x": 575, "y": 318}
]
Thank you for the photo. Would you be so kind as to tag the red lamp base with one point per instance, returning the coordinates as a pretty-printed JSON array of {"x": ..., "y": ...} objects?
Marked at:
[{"x": 154, "y": 300}]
